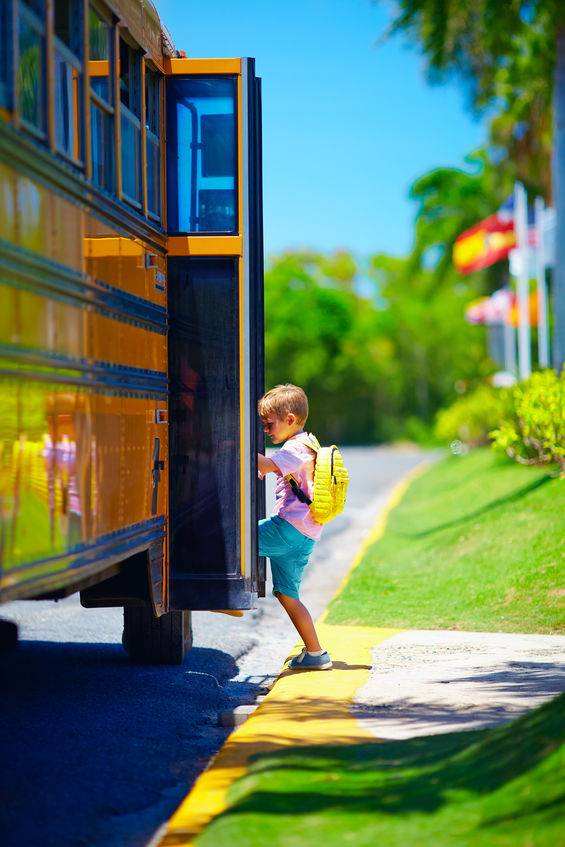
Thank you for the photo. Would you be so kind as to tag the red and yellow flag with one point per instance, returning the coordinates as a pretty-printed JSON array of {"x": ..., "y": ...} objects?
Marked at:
[{"x": 484, "y": 244}]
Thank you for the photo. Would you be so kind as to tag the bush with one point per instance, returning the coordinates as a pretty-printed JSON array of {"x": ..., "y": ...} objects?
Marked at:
[
  {"x": 472, "y": 417},
  {"x": 532, "y": 431},
  {"x": 420, "y": 432}
]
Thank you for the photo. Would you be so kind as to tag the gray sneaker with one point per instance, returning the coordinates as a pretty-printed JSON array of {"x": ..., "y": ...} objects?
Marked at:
[{"x": 305, "y": 662}]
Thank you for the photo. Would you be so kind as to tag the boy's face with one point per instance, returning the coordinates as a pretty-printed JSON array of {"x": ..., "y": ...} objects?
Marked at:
[{"x": 280, "y": 429}]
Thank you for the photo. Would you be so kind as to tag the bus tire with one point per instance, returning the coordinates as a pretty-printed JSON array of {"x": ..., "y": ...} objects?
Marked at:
[{"x": 156, "y": 641}]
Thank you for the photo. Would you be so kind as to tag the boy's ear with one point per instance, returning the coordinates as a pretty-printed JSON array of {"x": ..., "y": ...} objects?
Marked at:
[{"x": 291, "y": 419}]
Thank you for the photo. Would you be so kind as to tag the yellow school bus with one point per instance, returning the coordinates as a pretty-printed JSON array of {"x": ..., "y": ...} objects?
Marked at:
[{"x": 131, "y": 319}]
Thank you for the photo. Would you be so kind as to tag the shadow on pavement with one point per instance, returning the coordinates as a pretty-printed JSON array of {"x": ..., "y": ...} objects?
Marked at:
[
  {"x": 336, "y": 665},
  {"x": 521, "y": 679},
  {"x": 468, "y": 697},
  {"x": 87, "y": 736}
]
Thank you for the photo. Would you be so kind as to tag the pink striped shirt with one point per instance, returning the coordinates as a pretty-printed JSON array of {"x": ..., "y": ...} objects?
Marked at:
[{"x": 296, "y": 459}]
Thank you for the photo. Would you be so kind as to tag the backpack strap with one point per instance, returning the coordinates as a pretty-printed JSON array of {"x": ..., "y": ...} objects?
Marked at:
[
  {"x": 297, "y": 491},
  {"x": 309, "y": 440}
]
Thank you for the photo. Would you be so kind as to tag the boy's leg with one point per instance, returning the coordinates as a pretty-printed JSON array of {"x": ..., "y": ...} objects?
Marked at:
[{"x": 302, "y": 620}]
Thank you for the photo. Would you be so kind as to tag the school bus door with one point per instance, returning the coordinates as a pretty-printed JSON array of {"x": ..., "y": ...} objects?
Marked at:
[{"x": 215, "y": 305}]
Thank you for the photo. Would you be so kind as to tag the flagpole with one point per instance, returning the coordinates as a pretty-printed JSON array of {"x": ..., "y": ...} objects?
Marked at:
[
  {"x": 543, "y": 334},
  {"x": 509, "y": 335},
  {"x": 521, "y": 230}
]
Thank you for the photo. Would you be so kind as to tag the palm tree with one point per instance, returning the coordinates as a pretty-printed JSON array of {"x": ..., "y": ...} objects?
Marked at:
[
  {"x": 511, "y": 56},
  {"x": 450, "y": 200}
]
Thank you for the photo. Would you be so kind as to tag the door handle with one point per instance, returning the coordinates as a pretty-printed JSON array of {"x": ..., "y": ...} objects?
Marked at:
[{"x": 158, "y": 466}]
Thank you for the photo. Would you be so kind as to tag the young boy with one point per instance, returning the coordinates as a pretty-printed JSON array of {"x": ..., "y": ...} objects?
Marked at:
[{"x": 288, "y": 536}]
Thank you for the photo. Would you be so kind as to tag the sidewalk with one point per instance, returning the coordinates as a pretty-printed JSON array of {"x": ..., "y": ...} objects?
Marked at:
[{"x": 424, "y": 682}]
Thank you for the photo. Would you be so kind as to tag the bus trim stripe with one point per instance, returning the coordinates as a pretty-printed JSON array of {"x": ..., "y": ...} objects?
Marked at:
[
  {"x": 114, "y": 545},
  {"x": 22, "y": 268},
  {"x": 106, "y": 373}
]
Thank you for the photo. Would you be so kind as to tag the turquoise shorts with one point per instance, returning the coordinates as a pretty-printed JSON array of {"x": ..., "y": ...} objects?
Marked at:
[{"x": 289, "y": 551}]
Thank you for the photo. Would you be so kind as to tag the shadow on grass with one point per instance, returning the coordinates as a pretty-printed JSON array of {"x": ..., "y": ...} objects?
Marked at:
[
  {"x": 477, "y": 513},
  {"x": 415, "y": 776},
  {"x": 554, "y": 806}
]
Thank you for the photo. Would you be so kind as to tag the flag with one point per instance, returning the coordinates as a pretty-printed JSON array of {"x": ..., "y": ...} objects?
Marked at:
[
  {"x": 501, "y": 307},
  {"x": 490, "y": 240},
  {"x": 490, "y": 310},
  {"x": 484, "y": 244}
]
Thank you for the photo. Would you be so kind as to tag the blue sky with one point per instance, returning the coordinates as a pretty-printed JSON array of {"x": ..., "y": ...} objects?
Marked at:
[{"x": 348, "y": 123}]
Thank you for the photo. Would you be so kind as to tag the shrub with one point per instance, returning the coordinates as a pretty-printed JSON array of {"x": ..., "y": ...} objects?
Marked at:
[
  {"x": 472, "y": 417},
  {"x": 420, "y": 432},
  {"x": 532, "y": 431}
]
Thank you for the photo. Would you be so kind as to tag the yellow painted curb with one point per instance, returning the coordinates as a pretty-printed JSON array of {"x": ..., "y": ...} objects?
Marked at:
[{"x": 303, "y": 708}]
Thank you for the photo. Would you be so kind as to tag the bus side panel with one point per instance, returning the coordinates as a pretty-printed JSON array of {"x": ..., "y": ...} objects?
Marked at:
[{"x": 83, "y": 385}]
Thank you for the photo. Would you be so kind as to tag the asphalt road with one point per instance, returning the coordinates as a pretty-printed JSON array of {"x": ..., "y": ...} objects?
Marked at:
[{"x": 99, "y": 752}]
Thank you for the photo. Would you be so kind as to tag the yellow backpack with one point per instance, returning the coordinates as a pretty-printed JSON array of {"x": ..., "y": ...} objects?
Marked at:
[{"x": 330, "y": 481}]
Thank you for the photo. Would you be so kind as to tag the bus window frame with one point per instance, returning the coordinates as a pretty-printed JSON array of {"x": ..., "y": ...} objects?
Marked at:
[
  {"x": 136, "y": 121},
  {"x": 7, "y": 33},
  {"x": 56, "y": 45},
  {"x": 108, "y": 107},
  {"x": 149, "y": 67},
  {"x": 40, "y": 26}
]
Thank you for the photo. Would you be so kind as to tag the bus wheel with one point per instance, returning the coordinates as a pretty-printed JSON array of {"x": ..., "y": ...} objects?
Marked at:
[{"x": 156, "y": 641}]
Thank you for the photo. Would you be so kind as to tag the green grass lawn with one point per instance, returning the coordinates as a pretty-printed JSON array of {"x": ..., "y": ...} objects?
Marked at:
[
  {"x": 477, "y": 543},
  {"x": 469, "y": 789}
]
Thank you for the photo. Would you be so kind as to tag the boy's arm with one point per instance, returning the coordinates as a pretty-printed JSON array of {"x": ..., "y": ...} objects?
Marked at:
[{"x": 266, "y": 465}]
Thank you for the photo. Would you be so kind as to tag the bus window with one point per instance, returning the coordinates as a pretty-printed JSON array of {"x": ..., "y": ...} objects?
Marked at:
[
  {"x": 5, "y": 54},
  {"x": 130, "y": 122},
  {"x": 68, "y": 74},
  {"x": 30, "y": 80},
  {"x": 101, "y": 100},
  {"x": 202, "y": 128},
  {"x": 153, "y": 142}
]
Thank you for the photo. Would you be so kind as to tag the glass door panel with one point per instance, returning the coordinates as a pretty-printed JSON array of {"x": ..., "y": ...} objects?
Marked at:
[{"x": 202, "y": 151}]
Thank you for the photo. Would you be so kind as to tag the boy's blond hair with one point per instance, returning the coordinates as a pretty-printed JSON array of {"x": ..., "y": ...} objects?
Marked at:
[{"x": 283, "y": 399}]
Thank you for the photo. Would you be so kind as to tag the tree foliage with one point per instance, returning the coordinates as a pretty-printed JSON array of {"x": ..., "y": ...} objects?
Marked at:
[
  {"x": 504, "y": 52},
  {"x": 372, "y": 366},
  {"x": 322, "y": 335}
]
